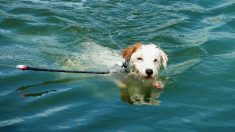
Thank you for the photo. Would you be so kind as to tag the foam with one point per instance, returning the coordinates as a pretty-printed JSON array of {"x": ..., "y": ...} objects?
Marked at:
[{"x": 94, "y": 56}]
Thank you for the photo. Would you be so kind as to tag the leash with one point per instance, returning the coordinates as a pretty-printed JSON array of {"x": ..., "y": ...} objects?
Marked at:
[{"x": 25, "y": 67}]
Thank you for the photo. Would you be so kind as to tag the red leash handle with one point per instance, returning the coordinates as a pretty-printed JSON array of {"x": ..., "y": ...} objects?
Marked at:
[{"x": 22, "y": 67}]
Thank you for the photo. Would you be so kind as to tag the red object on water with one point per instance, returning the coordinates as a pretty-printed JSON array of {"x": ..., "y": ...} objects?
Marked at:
[{"x": 22, "y": 67}]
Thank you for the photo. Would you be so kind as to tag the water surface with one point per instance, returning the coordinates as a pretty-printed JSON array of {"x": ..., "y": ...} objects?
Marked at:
[{"x": 198, "y": 36}]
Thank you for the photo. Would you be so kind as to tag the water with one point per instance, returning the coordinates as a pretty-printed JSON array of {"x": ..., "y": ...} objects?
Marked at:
[{"x": 198, "y": 36}]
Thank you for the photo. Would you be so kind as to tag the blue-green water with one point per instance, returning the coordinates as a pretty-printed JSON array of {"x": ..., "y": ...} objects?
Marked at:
[{"x": 198, "y": 35}]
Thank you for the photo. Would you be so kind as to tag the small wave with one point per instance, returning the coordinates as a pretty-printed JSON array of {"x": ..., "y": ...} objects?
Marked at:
[
  {"x": 56, "y": 3},
  {"x": 187, "y": 7},
  {"x": 38, "y": 115},
  {"x": 182, "y": 67},
  {"x": 223, "y": 6}
]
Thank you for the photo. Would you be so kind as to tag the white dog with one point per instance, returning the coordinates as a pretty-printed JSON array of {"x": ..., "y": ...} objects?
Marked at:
[{"x": 144, "y": 61}]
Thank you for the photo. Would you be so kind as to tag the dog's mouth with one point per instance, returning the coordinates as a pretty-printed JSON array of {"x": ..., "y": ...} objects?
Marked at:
[{"x": 147, "y": 77}]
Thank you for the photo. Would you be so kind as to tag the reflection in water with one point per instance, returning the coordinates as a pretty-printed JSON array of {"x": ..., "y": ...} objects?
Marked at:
[
  {"x": 140, "y": 95},
  {"x": 23, "y": 88},
  {"x": 48, "y": 82},
  {"x": 36, "y": 94},
  {"x": 138, "y": 92},
  {"x": 132, "y": 90}
]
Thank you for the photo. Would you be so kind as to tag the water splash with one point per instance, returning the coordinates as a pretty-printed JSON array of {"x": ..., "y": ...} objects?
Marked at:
[{"x": 93, "y": 56}]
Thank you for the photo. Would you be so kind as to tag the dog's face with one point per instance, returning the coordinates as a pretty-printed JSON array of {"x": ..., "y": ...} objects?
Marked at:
[{"x": 145, "y": 59}]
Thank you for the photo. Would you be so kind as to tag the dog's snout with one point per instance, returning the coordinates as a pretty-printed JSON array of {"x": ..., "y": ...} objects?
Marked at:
[{"x": 149, "y": 72}]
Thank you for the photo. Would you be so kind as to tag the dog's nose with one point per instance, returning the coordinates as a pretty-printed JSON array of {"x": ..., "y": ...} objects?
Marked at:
[{"x": 149, "y": 72}]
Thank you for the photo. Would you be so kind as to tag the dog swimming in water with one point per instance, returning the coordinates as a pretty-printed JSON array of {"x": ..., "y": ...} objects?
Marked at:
[{"x": 144, "y": 61}]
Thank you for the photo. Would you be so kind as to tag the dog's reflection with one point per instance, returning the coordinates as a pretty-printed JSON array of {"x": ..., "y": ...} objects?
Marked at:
[
  {"x": 138, "y": 92},
  {"x": 131, "y": 91},
  {"x": 140, "y": 95}
]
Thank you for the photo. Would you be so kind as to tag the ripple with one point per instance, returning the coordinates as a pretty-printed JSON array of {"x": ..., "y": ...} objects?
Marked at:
[
  {"x": 50, "y": 111},
  {"x": 38, "y": 115},
  {"x": 63, "y": 4},
  {"x": 197, "y": 35},
  {"x": 227, "y": 7},
  {"x": 10, "y": 122},
  {"x": 215, "y": 19},
  {"x": 182, "y": 67},
  {"x": 186, "y": 7}
]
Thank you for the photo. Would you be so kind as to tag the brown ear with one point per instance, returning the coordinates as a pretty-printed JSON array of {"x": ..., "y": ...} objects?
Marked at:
[{"x": 126, "y": 53}]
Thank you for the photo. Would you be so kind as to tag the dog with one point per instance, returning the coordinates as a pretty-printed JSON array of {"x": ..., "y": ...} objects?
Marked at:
[
  {"x": 144, "y": 62},
  {"x": 141, "y": 84}
]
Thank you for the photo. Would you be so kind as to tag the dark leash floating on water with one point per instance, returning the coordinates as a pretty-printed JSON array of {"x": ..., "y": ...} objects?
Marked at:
[{"x": 25, "y": 67}]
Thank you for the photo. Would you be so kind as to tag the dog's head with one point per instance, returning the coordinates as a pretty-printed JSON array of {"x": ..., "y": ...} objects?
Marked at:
[{"x": 145, "y": 59}]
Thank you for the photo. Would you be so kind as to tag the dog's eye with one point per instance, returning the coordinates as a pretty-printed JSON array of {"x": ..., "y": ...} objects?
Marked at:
[
  {"x": 139, "y": 58},
  {"x": 155, "y": 60}
]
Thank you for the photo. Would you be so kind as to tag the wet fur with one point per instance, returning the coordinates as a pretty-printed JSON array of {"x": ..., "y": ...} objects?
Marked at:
[{"x": 147, "y": 53}]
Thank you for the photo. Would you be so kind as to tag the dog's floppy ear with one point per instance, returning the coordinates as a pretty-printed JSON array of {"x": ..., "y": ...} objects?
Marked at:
[
  {"x": 164, "y": 58},
  {"x": 126, "y": 53}
]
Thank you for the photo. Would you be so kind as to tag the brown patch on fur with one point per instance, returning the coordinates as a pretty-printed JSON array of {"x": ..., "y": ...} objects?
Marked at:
[{"x": 126, "y": 53}]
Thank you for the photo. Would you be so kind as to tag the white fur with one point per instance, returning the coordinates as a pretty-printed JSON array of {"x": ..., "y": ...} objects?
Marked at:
[{"x": 148, "y": 53}]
